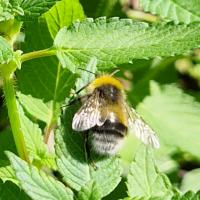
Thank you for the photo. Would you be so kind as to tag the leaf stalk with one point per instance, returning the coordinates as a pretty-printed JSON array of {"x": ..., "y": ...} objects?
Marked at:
[{"x": 38, "y": 54}]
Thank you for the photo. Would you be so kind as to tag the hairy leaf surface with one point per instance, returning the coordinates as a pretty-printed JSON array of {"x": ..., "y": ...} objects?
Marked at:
[
  {"x": 6, "y": 53},
  {"x": 175, "y": 10},
  {"x": 36, "y": 148},
  {"x": 113, "y": 41},
  {"x": 144, "y": 179},
  {"x": 89, "y": 192},
  {"x": 174, "y": 116},
  {"x": 7, "y": 174},
  {"x": 63, "y": 13},
  {"x": 36, "y": 183}
]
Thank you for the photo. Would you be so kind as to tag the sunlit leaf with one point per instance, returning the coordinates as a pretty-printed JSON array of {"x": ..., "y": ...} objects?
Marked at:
[
  {"x": 38, "y": 185},
  {"x": 175, "y": 10},
  {"x": 113, "y": 41},
  {"x": 144, "y": 179}
]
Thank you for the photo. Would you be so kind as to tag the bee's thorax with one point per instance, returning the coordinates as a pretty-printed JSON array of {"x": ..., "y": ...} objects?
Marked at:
[{"x": 109, "y": 93}]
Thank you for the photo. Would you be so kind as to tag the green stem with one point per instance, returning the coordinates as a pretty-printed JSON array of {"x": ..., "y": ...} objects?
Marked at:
[
  {"x": 13, "y": 114},
  {"x": 38, "y": 54},
  {"x": 52, "y": 124}
]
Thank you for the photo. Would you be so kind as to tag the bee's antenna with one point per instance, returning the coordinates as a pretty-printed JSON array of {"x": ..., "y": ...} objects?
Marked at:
[
  {"x": 87, "y": 71},
  {"x": 114, "y": 72}
]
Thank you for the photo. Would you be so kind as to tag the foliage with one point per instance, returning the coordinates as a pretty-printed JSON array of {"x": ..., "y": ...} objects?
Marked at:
[
  {"x": 74, "y": 48},
  {"x": 145, "y": 180},
  {"x": 178, "y": 11},
  {"x": 48, "y": 49}
]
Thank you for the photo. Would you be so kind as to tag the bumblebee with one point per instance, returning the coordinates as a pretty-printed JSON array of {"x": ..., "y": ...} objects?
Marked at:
[{"x": 107, "y": 117}]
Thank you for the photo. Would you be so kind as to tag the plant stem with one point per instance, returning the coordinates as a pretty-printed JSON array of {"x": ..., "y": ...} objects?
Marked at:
[
  {"x": 38, "y": 54},
  {"x": 13, "y": 114},
  {"x": 49, "y": 130}
]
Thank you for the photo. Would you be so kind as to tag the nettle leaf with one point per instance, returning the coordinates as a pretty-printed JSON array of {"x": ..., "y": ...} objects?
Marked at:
[
  {"x": 6, "y": 53},
  {"x": 43, "y": 80},
  {"x": 144, "y": 179},
  {"x": 34, "y": 8},
  {"x": 89, "y": 192},
  {"x": 36, "y": 183},
  {"x": 113, "y": 41},
  {"x": 8, "y": 9},
  {"x": 187, "y": 196},
  {"x": 75, "y": 166},
  {"x": 191, "y": 181},
  {"x": 175, "y": 10},
  {"x": 10, "y": 191},
  {"x": 37, "y": 150},
  {"x": 36, "y": 107},
  {"x": 63, "y": 13},
  {"x": 174, "y": 116},
  {"x": 7, "y": 174}
]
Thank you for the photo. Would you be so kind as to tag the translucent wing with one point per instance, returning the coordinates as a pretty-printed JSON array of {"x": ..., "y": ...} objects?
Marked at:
[
  {"x": 89, "y": 114},
  {"x": 141, "y": 129}
]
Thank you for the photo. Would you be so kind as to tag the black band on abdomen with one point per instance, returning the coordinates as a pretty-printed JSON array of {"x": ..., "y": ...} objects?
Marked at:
[{"x": 111, "y": 128}]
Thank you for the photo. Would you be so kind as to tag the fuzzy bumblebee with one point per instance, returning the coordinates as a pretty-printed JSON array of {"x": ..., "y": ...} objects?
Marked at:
[{"x": 108, "y": 118}]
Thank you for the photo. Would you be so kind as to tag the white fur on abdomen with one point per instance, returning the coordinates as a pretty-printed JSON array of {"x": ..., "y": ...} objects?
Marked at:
[{"x": 105, "y": 143}]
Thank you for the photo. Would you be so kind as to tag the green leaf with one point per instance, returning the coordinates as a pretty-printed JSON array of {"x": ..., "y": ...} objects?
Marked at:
[
  {"x": 36, "y": 183},
  {"x": 77, "y": 170},
  {"x": 89, "y": 192},
  {"x": 7, "y": 174},
  {"x": 174, "y": 116},
  {"x": 9, "y": 191},
  {"x": 144, "y": 179},
  {"x": 36, "y": 107},
  {"x": 191, "y": 181},
  {"x": 63, "y": 13},
  {"x": 6, "y": 12},
  {"x": 6, "y": 53},
  {"x": 37, "y": 150},
  {"x": 175, "y": 10},
  {"x": 8, "y": 9},
  {"x": 43, "y": 78},
  {"x": 34, "y": 8},
  {"x": 113, "y": 41},
  {"x": 187, "y": 196}
]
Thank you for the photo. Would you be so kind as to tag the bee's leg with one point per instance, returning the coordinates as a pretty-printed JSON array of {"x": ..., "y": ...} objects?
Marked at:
[
  {"x": 74, "y": 100},
  {"x": 88, "y": 152},
  {"x": 86, "y": 146}
]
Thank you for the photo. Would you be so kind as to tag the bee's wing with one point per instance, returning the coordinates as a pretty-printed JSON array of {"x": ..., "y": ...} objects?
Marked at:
[
  {"x": 89, "y": 114},
  {"x": 141, "y": 129}
]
